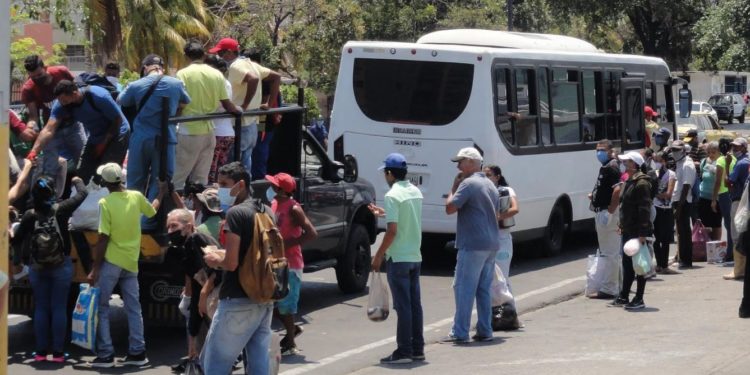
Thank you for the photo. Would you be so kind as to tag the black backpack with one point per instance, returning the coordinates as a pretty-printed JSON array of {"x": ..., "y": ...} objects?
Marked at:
[
  {"x": 46, "y": 242},
  {"x": 93, "y": 79}
]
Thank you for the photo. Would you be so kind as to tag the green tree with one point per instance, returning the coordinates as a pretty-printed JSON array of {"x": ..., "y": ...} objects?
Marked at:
[{"x": 722, "y": 39}]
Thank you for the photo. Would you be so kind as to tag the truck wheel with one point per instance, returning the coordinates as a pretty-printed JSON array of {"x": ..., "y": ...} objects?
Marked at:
[
  {"x": 353, "y": 266},
  {"x": 554, "y": 234}
]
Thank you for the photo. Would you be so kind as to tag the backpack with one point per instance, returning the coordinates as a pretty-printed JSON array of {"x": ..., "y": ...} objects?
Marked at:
[
  {"x": 46, "y": 242},
  {"x": 264, "y": 272},
  {"x": 93, "y": 79}
]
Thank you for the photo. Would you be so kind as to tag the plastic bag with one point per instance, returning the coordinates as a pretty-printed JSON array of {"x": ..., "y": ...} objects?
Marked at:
[
  {"x": 499, "y": 289},
  {"x": 86, "y": 216},
  {"x": 378, "y": 302},
  {"x": 716, "y": 251},
  {"x": 192, "y": 368},
  {"x": 85, "y": 317},
  {"x": 642, "y": 261},
  {"x": 743, "y": 213},
  {"x": 595, "y": 273},
  {"x": 700, "y": 236}
]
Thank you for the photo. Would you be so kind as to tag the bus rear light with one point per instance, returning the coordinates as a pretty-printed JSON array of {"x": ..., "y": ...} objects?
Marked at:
[{"x": 338, "y": 149}]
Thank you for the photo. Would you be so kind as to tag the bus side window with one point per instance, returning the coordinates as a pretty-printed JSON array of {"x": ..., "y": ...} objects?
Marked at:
[
  {"x": 544, "y": 119},
  {"x": 526, "y": 134},
  {"x": 503, "y": 105},
  {"x": 612, "y": 90},
  {"x": 594, "y": 118},
  {"x": 567, "y": 121}
]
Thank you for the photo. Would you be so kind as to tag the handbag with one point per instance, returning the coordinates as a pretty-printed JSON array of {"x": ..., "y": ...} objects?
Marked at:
[
  {"x": 595, "y": 272},
  {"x": 378, "y": 303},
  {"x": 699, "y": 237},
  {"x": 743, "y": 213},
  {"x": 85, "y": 317},
  {"x": 499, "y": 290}
]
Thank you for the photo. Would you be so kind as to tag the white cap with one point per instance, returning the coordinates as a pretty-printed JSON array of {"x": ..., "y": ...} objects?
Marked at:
[
  {"x": 110, "y": 172},
  {"x": 468, "y": 153},
  {"x": 635, "y": 156}
]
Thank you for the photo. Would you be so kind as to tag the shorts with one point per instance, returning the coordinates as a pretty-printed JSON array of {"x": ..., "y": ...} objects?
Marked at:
[
  {"x": 709, "y": 218},
  {"x": 288, "y": 305}
]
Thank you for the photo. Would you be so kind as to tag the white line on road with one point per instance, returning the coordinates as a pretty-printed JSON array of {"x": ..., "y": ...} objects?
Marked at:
[{"x": 337, "y": 357}]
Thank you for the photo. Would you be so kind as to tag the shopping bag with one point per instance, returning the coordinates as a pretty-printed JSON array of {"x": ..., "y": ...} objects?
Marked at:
[
  {"x": 193, "y": 368},
  {"x": 700, "y": 236},
  {"x": 499, "y": 289},
  {"x": 716, "y": 251},
  {"x": 86, "y": 216},
  {"x": 642, "y": 261},
  {"x": 378, "y": 302},
  {"x": 595, "y": 273},
  {"x": 85, "y": 318},
  {"x": 742, "y": 215}
]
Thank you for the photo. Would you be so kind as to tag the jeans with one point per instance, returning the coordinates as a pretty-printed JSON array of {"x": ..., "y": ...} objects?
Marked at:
[
  {"x": 260, "y": 155},
  {"x": 609, "y": 247},
  {"x": 684, "y": 234},
  {"x": 143, "y": 168},
  {"x": 248, "y": 138},
  {"x": 68, "y": 143},
  {"x": 403, "y": 279},
  {"x": 51, "y": 287},
  {"x": 628, "y": 274},
  {"x": 109, "y": 276},
  {"x": 238, "y": 324},
  {"x": 725, "y": 205},
  {"x": 473, "y": 279},
  {"x": 114, "y": 153}
]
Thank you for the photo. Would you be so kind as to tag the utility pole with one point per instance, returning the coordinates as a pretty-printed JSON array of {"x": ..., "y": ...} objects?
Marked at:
[{"x": 510, "y": 15}]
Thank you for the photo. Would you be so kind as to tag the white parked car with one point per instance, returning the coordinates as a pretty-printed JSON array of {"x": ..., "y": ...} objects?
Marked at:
[{"x": 699, "y": 107}]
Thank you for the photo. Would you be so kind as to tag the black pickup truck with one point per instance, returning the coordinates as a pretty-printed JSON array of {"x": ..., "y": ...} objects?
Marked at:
[{"x": 332, "y": 195}]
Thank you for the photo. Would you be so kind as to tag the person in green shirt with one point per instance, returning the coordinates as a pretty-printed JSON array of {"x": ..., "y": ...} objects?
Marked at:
[
  {"x": 725, "y": 166},
  {"x": 116, "y": 263},
  {"x": 401, "y": 250}
]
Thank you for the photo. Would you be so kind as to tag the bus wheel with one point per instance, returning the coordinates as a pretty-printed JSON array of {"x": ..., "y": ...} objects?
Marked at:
[{"x": 554, "y": 234}]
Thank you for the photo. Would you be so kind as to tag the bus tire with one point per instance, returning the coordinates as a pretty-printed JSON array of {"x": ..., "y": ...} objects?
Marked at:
[
  {"x": 353, "y": 267},
  {"x": 554, "y": 233}
]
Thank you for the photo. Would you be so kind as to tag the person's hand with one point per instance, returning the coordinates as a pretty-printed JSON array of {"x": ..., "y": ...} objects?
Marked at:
[
  {"x": 377, "y": 261},
  {"x": 214, "y": 259},
  {"x": 31, "y": 124},
  {"x": 377, "y": 211},
  {"x": 264, "y": 106},
  {"x": 76, "y": 179},
  {"x": 31, "y": 155},
  {"x": 93, "y": 277},
  {"x": 713, "y": 205},
  {"x": 642, "y": 240},
  {"x": 457, "y": 181},
  {"x": 28, "y": 135}
]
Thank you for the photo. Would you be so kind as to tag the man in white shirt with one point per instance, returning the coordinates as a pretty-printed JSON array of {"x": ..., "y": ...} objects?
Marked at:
[{"x": 682, "y": 200}]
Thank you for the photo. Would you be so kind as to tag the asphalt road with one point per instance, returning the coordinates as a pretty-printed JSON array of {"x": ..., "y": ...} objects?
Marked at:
[{"x": 338, "y": 338}]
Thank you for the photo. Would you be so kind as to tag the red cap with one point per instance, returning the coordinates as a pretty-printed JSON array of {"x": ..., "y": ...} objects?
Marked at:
[
  {"x": 283, "y": 181},
  {"x": 228, "y": 44},
  {"x": 648, "y": 111}
]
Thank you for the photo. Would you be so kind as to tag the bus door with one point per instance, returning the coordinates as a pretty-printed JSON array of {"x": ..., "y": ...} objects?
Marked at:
[{"x": 631, "y": 104}]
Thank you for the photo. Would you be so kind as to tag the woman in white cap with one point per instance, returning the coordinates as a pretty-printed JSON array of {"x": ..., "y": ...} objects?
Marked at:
[{"x": 635, "y": 222}]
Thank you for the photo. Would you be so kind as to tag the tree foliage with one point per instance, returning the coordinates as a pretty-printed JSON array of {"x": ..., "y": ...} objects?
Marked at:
[{"x": 723, "y": 37}]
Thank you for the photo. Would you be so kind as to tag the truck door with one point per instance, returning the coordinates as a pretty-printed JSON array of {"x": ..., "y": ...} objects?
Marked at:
[{"x": 632, "y": 102}]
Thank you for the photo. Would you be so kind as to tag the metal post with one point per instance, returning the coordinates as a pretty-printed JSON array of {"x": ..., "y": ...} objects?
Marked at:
[
  {"x": 164, "y": 139},
  {"x": 238, "y": 138},
  {"x": 510, "y": 15}
]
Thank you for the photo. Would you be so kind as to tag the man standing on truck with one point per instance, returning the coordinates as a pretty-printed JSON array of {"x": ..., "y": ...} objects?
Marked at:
[
  {"x": 474, "y": 197},
  {"x": 116, "y": 263},
  {"x": 37, "y": 92},
  {"x": 239, "y": 322},
  {"x": 400, "y": 248}
]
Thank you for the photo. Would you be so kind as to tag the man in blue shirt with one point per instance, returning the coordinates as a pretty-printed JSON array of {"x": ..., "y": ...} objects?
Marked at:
[
  {"x": 107, "y": 129},
  {"x": 737, "y": 178},
  {"x": 475, "y": 199},
  {"x": 143, "y": 153}
]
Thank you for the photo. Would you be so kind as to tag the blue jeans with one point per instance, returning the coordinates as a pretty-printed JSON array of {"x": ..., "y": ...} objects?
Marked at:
[
  {"x": 403, "y": 279},
  {"x": 260, "y": 155},
  {"x": 473, "y": 278},
  {"x": 238, "y": 324},
  {"x": 143, "y": 168},
  {"x": 67, "y": 143},
  {"x": 725, "y": 205},
  {"x": 51, "y": 287},
  {"x": 248, "y": 139},
  {"x": 109, "y": 276}
]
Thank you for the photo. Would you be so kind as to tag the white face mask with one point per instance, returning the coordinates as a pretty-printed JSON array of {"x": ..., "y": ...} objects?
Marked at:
[{"x": 270, "y": 194}]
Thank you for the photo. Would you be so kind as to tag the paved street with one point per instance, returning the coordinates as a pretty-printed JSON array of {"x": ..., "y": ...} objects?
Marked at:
[{"x": 690, "y": 327}]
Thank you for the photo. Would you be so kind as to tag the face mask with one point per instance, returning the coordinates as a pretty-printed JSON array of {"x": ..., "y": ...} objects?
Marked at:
[
  {"x": 678, "y": 155},
  {"x": 176, "y": 238},
  {"x": 657, "y": 165},
  {"x": 40, "y": 80},
  {"x": 623, "y": 168},
  {"x": 270, "y": 194},
  {"x": 225, "y": 198},
  {"x": 737, "y": 154},
  {"x": 602, "y": 156}
]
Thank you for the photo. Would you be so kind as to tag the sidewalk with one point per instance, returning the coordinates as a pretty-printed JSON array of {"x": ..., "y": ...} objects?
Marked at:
[{"x": 690, "y": 326}]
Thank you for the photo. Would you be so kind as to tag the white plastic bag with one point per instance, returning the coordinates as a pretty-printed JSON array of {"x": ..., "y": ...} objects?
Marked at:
[
  {"x": 86, "y": 216},
  {"x": 716, "y": 251},
  {"x": 499, "y": 289},
  {"x": 743, "y": 213},
  {"x": 378, "y": 302},
  {"x": 595, "y": 273}
]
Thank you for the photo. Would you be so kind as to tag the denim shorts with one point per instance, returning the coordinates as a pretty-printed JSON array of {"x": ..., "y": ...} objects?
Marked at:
[{"x": 288, "y": 305}]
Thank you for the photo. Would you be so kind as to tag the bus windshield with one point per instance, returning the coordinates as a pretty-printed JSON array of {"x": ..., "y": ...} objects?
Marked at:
[{"x": 412, "y": 92}]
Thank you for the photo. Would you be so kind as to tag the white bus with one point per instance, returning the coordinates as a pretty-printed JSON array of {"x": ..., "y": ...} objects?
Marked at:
[{"x": 534, "y": 104}]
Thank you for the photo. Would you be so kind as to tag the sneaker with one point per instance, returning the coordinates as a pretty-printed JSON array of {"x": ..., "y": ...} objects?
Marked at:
[
  {"x": 396, "y": 358},
  {"x": 450, "y": 339},
  {"x": 618, "y": 302},
  {"x": 135, "y": 360},
  {"x": 666, "y": 271},
  {"x": 180, "y": 367},
  {"x": 480, "y": 338},
  {"x": 40, "y": 356},
  {"x": 418, "y": 356},
  {"x": 59, "y": 357},
  {"x": 289, "y": 350},
  {"x": 635, "y": 304},
  {"x": 684, "y": 266},
  {"x": 106, "y": 362}
]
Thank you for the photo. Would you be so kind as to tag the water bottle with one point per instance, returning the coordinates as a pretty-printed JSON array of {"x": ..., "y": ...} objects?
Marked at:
[{"x": 505, "y": 203}]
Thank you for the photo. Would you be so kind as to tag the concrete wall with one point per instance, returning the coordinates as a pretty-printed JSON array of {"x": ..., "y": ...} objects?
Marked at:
[{"x": 705, "y": 84}]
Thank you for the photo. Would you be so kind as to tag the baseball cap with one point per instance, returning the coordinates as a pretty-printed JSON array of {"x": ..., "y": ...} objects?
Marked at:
[
  {"x": 225, "y": 44},
  {"x": 210, "y": 199},
  {"x": 635, "y": 156},
  {"x": 692, "y": 133},
  {"x": 647, "y": 110},
  {"x": 467, "y": 153},
  {"x": 739, "y": 141},
  {"x": 394, "y": 160},
  {"x": 283, "y": 181},
  {"x": 663, "y": 132},
  {"x": 110, "y": 172},
  {"x": 152, "y": 59}
]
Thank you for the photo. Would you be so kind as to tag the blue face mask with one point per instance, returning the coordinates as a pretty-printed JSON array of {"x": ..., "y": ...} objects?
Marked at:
[
  {"x": 225, "y": 198},
  {"x": 602, "y": 156},
  {"x": 270, "y": 194}
]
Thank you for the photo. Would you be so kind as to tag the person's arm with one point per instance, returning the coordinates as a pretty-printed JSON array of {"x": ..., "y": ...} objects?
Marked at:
[
  {"x": 275, "y": 80},
  {"x": 615, "y": 200},
  {"x": 512, "y": 211},
  {"x": 229, "y": 258},
  {"x": 252, "y": 80},
  {"x": 22, "y": 182},
  {"x": 717, "y": 185},
  {"x": 44, "y": 137},
  {"x": 33, "y": 114},
  {"x": 667, "y": 195},
  {"x": 390, "y": 235},
  {"x": 69, "y": 205},
  {"x": 230, "y": 107},
  {"x": 156, "y": 203},
  {"x": 308, "y": 230},
  {"x": 99, "y": 250},
  {"x": 452, "y": 203},
  {"x": 207, "y": 288}
]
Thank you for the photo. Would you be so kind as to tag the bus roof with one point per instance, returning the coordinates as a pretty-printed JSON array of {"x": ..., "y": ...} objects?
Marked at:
[{"x": 508, "y": 39}]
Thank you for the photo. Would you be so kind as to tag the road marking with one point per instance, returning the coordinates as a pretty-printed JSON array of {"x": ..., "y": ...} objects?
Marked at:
[{"x": 337, "y": 357}]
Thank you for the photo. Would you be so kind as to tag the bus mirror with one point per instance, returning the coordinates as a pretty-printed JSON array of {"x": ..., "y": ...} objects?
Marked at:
[{"x": 686, "y": 99}]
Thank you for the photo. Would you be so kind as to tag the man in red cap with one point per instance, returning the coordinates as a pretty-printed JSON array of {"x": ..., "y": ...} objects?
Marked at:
[
  {"x": 245, "y": 76},
  {"x": 296, "y": 229},
  {"x": 651, "y": 126}
]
